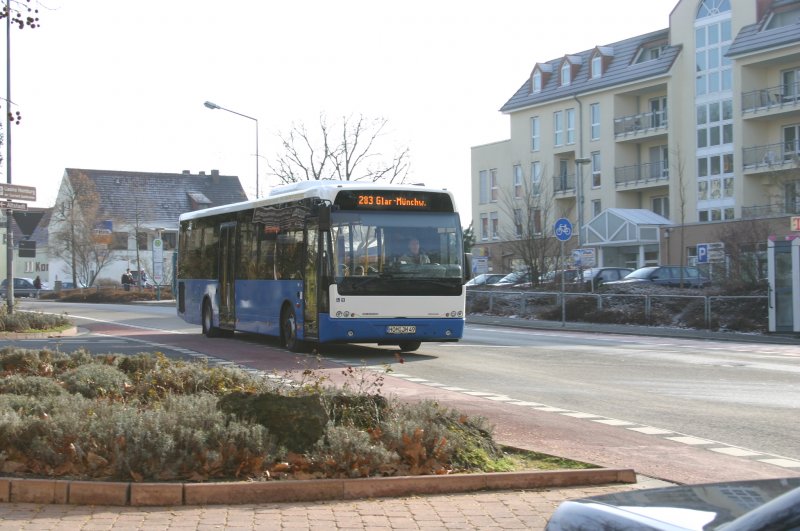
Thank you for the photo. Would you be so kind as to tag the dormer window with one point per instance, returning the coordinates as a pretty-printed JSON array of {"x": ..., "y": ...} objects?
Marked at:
[
  {"x": 566, "y": 73},
  {"x": 650, "y": 51},
  {"x": 597, "y": 66},
  {"x": 536, "y": 81},
  {"x": 781, "y": 19}
]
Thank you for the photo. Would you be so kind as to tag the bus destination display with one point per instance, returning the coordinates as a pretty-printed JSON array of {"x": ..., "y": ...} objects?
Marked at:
[{"x": 401, "y": 200}]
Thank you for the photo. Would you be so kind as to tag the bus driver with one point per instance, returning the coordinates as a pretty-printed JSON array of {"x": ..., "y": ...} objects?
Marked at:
[{"x": 414, "y": 254}]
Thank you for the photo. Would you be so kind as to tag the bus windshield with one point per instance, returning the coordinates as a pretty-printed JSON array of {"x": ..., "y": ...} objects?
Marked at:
[{"x": 394, "y": 253}]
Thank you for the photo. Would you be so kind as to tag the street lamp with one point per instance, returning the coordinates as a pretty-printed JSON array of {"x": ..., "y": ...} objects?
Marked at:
[
  {"x": 214, "y": 106},
  {"x": 579, "y": 195}
]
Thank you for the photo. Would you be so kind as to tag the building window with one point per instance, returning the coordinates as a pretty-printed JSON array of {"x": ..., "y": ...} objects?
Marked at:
[
  {"x": 791, "y": 142},
  {"x": 494, "y": 223},
  {"x": 597, "y": 66},
  {"x": 660, "y": 205},
  {"x": 570, "y": 126},
  {"x": 484, "y": 187},
  {"x": 119, "y": 241},
  {"x": 494, "y": 185},
  {"x": 710, "y": 8},
  {"x": 792, "y": 197},
  {"x": 517, "y": 181},
  {"x": 790, "y": 84},
  {"x": 484, "y": 227},
  {"x": 536, "y": 177},
  {"x": 650, "y": 52},
  {"x": 594, "y": 113},
  {"x": 597, "y": 207},
  {"x": 535, "y": 133},
  {"x": 141, "y": 240},
  {"x": 169, "y": 240},
  {"x": 537, "y": 221},
  {"x": 518, "y": 222},
  {"x": 558, "y": 128},
  {"x": 658, "y": 112},
  {"x": 536, "y": 81},
  {"x": 596, "y": 181},
  {"x": 566, "y": 74}
]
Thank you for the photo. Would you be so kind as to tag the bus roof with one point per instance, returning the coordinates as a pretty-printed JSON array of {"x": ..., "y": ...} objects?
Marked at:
[{"x": 325, "y": 189}]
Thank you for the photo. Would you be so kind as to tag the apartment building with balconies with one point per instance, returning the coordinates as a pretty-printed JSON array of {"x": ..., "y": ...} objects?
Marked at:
[{"x": 652, "y": 145}]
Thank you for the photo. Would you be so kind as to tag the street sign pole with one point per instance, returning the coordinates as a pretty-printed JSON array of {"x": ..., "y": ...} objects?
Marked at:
[{"x": 563, "y": 231}]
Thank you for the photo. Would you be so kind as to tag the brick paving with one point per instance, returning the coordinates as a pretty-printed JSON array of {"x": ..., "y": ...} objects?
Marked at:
[{"x": 495, "y": 510}]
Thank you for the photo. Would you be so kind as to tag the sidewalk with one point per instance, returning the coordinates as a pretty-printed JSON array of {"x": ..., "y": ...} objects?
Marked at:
[{"x": 485, "y": 510}]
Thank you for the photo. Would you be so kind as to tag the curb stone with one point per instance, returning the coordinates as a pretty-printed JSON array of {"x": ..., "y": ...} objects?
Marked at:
[{"x": 49, "y": 491}]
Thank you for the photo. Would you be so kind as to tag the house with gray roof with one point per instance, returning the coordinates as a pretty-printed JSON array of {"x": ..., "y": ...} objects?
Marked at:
[{"x": 132, "y": 210}]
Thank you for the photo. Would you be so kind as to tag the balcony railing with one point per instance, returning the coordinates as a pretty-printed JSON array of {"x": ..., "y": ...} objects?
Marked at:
[
  {"x": 772, "y": 155},
  {"x": 564, "y": 184},
  {"x": 768, "y": 98},
  {"x": 641, "y": 173},
  {"x": 790, "y": 207},
  {"x": 635, "y": 123}
]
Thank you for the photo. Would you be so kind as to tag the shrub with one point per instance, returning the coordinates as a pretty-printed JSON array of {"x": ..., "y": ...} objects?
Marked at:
[
  {"x": 95, "y": 380},
  {"x": 30, "y": 385}
]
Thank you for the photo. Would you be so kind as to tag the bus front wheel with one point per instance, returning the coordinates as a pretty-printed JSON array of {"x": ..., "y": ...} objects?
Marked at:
[
  {"x": 289, "y": 330},
  {"x": 409, "y": 346},
  {"x": 209, "y": 330}
]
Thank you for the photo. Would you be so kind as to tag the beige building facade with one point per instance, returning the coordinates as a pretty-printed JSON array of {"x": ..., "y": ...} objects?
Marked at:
[{"x": 654, "y": 146}]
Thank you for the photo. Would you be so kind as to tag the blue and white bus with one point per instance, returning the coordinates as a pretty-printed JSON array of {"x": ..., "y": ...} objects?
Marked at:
[{"x": 324, "y": 262}]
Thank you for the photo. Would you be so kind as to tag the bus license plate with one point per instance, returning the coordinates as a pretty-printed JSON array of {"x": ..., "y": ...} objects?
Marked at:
[{"x": 392, "y": 329}]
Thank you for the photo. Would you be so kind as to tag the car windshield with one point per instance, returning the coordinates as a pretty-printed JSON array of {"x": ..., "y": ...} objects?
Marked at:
[{"x": 641, "y": 273}]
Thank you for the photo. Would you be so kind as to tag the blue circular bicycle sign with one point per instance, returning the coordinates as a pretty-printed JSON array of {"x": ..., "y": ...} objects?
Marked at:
[{"x": 563, "y": 229}]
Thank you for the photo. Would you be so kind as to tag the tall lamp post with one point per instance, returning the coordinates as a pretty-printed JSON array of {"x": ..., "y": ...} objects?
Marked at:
[
  {"x": 213, "y": 106},
  {"x": 579, "y": 195}
]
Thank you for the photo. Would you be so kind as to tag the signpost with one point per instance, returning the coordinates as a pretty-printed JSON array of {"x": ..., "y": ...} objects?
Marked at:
[
  {"x": 13, "y": 191},
  {"x": 710, "y": 252},
  {"x": 563, "y": 231},
  {"x": 11, "y": 205},
  {"x": 16, "y": 191}
]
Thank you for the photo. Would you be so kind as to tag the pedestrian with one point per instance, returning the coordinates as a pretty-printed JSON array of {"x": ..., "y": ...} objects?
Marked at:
[
  {"x": 127, "y": 280},
  {"x": 37, "y": 285}
]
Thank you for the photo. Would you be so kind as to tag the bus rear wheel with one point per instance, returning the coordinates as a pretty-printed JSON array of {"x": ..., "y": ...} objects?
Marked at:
[
  {"x": 409, "y": 346},
  {"x": 209, "y": 330},
  {"x": 289, "y": 330}
]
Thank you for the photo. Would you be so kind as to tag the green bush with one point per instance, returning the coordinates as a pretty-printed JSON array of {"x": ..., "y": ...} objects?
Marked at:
[{"x": 147, "y": 418}]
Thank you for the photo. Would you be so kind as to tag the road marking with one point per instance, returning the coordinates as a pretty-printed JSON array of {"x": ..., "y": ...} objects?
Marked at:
[
  {"x": 738, "y": 452},
  {"x": 785, "y": 463},
  {"x": 649, "y": 430},
  {"x": 578, "y": 415},
  {"x": 690, "y": 440},
  {"x": 613, "y": 422}
]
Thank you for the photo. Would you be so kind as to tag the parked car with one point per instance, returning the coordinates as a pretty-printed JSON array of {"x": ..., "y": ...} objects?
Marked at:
[
  {"x": 736, "y": 505},
  {"x": 595, "y": 277},
  {"x": 23, "y": 287},
  {"x": 485, "y": 279},
  {"x": 68, "y": 284},
  {"x": 554, "y": 277},
  {"x": 691, "y": 277},
  {"x": 513, "y": 279}
]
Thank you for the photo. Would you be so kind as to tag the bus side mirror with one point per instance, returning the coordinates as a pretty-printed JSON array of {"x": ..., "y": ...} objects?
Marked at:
[
  {"x": 467, "y": 266},
  {"x": 325, "y": 218}
]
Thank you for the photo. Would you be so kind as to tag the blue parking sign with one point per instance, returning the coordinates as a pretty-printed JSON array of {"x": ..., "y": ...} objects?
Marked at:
[{"x": 702, "y": 253}]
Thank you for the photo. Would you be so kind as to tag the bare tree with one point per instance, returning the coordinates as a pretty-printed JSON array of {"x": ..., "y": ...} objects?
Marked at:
[
  {"x": 530, "y": 211},
  {"x": 680, "y": 173},
  {"x": 348, "y": 151},
  {"x": 78, "y": 241}
]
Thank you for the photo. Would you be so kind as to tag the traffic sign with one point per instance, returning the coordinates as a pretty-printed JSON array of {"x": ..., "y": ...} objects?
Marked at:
[
  {"x": 710, "y": 252},
  {"x": 11, "y": 205},
  {"x": 563, "y": 229},
  {"x": 16, "y": 191}
]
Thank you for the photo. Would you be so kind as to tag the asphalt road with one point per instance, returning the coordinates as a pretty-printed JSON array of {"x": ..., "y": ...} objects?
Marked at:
[{"x": 683, "y": 410}]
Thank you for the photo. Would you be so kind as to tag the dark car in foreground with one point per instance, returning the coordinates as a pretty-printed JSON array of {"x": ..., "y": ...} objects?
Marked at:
[
  {"x": 674, "y": 276},
  {"x": 758, "y": 505}
]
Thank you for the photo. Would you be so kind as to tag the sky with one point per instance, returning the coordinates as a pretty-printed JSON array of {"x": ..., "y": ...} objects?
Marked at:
[{"x": 120, "y": 85}]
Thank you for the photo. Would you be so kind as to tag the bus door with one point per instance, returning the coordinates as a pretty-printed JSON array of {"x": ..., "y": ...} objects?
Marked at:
[
  {"x": 227, "y": 275},
  {"x": 311, "y": 281}
]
